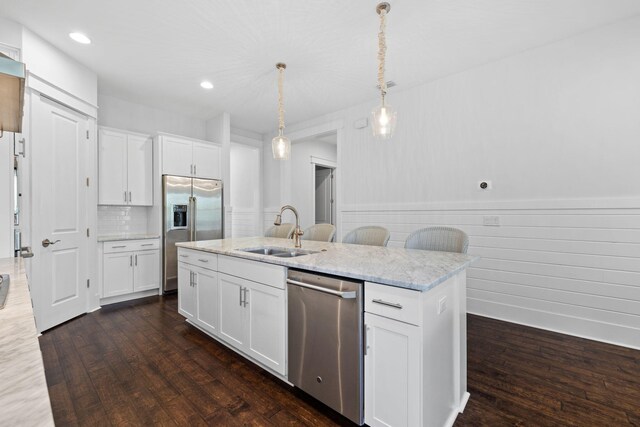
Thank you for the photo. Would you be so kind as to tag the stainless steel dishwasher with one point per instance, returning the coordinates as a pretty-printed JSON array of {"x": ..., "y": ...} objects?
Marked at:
[{"x": 325, "y": 340}]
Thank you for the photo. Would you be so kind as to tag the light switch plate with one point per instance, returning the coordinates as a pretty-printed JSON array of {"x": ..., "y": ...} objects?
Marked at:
[{"x": 442, "y": 305}]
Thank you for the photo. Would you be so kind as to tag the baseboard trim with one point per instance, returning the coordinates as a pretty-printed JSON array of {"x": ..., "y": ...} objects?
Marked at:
[
  {"x": 598, "y": 331},
  {"x": 128, "y": 297}
]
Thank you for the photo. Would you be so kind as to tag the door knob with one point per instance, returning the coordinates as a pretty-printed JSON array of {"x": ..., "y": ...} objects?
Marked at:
[{"x": 47, "y": 242}]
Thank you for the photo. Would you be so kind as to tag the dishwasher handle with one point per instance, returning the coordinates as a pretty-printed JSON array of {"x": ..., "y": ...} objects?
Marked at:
[{"x": 341, "y": 294}]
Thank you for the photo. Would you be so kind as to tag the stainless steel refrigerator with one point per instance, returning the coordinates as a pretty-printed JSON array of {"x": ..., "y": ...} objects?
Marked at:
[{"x": 192, "y": 211}]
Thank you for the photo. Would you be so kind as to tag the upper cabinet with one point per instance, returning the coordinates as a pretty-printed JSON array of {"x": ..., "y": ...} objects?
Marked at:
[
  {"x": 186, "y": 157},
  {"x": 125, "y": 168}
]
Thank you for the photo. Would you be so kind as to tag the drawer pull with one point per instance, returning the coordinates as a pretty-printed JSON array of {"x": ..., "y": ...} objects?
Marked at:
[
  {"x": 388, "y": 304},
  {"x": 147, "y": 244},
  {"x": 121, "y": 246},
  {"x": 203, "y": 260},
  {"x": 184, "y": 256}
]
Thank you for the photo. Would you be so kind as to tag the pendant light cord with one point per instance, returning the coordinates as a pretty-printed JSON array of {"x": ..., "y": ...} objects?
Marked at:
[
  {"x": 280, "y": 98},
  {"x": 382, "y": 51}
]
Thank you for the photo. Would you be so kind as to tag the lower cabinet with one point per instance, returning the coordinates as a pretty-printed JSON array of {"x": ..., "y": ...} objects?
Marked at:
[
  {"x": 186, "y": 291},
  {"x": 198, "y": 296},
  {"x": 247, "y": 315},
  {"x": 252, "y": 319},
  {"x": 129, "y": 267},
  {"x": 413, "y": 355},
  {"x": 392, "y": 372}
]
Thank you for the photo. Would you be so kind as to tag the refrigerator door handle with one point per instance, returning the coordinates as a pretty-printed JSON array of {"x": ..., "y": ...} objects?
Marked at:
[
  {"x": 190, "y": 223},
  {"x": 194, "y": 215}
]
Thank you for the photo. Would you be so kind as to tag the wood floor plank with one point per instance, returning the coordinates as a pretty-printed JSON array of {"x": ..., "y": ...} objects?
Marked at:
[{"x": 140, "y": 363}]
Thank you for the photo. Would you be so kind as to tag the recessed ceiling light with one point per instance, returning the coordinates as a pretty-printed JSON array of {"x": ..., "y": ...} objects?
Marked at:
[
  {"x": 80, "y": 38},
  {"x": 206, "y": 85}
]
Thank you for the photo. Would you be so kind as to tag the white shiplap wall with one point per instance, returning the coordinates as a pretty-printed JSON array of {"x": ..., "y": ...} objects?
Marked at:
[{"x": 572, "y": 270}]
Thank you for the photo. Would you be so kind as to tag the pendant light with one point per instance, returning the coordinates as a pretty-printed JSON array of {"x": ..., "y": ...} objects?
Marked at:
[
  {"x": 281, "y": 145},
  {"x": 383, "y": 117}
]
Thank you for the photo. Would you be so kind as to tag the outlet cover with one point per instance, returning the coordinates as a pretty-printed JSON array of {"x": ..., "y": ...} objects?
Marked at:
[{"x": 491, "y": 221}]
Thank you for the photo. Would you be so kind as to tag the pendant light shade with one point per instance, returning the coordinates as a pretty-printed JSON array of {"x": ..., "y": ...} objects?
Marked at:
[
  {"x": 281, "y": 145},
  {"x": 383, "y": 121}
]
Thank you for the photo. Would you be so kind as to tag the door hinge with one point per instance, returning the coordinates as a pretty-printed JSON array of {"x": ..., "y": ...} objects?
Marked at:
[
  {"x": 87, "y": 181},
  {"x": 88, "y": 232},
  {"x": 88, "y": 283},
  {"x": 87, "y": 134}
]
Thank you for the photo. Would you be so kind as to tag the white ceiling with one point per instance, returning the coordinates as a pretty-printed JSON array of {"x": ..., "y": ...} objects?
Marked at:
[{"x": 156, "y": 52}]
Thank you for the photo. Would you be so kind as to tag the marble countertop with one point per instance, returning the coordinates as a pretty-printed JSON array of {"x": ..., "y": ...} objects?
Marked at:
[
  {"x": 24, "y": 399},
  {"x": 126, "y": 236},
  {"x": 405, "y": 268}
]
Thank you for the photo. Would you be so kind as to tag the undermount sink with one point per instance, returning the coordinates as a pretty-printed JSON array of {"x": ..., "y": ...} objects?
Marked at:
[{"x": 278, "y": 252}]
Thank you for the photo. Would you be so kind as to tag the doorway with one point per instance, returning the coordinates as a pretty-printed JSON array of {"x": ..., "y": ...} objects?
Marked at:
[{"x": 325, "y": 212}]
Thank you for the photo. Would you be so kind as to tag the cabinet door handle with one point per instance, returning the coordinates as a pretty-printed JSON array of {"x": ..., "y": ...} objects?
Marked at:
[
  {"x": 365, "y": 339},
  {"x": 245, "y": 302},
  {"x": 191, "y": 169},
  {"x": 130, "y": 260},
  {"x": 136, "y": 260},
  {"x": 125, "y": 197},
  {"x": 129, "y": 196},
  {"x": 240, "y": 293},
  {"x": 388, "y": 304}
]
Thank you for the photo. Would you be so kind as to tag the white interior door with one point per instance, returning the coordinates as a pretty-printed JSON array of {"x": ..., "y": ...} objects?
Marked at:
[
  {"x": 59, "y": 277},
  {"x": 323, "y": 196}
]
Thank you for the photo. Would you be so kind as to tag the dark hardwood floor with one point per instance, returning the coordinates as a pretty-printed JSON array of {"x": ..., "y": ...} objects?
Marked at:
[{"x": 139, "y": 363}]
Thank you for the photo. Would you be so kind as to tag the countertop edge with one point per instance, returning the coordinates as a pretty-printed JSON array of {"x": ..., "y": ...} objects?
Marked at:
[{"x": 292, "y": 263}]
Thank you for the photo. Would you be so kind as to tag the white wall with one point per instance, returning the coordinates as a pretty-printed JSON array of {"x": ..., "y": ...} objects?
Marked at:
[
  {"x": 121, "y": 114},
  {"x": 556, "y": 130},
  {"x": 10, "y": 33},
  {"x": 244, "y": 190},
  {"x": 58, "y": 69},
  {"x": 218, "y": 129}
]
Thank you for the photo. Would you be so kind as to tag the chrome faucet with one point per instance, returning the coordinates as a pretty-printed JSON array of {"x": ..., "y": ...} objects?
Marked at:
[{"x": 297, "y": 232}]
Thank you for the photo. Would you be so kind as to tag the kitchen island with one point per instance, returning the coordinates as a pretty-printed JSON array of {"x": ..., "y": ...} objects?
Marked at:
[{"x": 414, "y": 316}]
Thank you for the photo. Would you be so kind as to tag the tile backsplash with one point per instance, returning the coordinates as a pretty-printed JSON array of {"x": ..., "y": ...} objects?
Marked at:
[{"x": 121, "y": 219}]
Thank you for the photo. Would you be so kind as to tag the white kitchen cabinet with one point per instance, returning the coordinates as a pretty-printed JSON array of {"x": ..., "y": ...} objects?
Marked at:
[
  {"x": 129, "y": 267},
  {"x": 232, "y": 311},
  {"x": 198, "y": 289},
  {"x": 117, "y": 277},
  {"x": 413, "y": 357},
  {"x": 207, "y": 299},
  {"x": 187, "y": 157},
  {"x": 206, "y": 161},
  {"x": 145, "y": 273},
  {"x": 125, "y": 169},
  {"x": 252, "y": 319},
  {"x": 186, "y": 292},
  {"x": 392, "y": 372},
  {"x": 266, "y": 325},
  {"x": 249, "y": 316}
]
